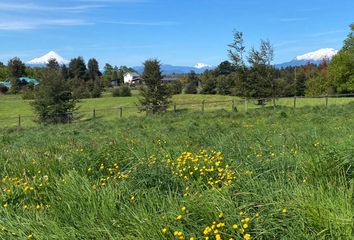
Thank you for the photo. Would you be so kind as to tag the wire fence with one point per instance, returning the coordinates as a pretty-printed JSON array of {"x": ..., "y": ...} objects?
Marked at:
[{"x": 239, "y": 105}]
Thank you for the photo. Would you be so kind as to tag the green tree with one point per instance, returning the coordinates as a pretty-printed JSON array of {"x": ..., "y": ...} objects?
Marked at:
[
  {"x": 260, "y": 80},
  {"x": 64, "y": 72},
  {"x": 53, "y": 64},
  {"x": 341, "y": 69},
  {"x": 208, "y": 83},
  {"x": 4, "y": 74},
  {"x": 155, "y": 94},
  {"x": 77, "y": 68},
  {"x": 319, "y": 83},
  {"x": 192, "y": 83},
  {"x": 16, "y": 68},
  {"x": 237, "y": 50},
  {"x": 93, "y": 69},
  {"x": 53, "y": 102}
]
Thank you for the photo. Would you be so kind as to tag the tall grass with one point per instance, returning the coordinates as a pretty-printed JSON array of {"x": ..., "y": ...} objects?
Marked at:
[{"x": 293, "y": 177}]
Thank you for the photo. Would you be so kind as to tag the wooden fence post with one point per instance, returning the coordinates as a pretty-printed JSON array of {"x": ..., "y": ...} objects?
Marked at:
[
  {"x": 233, "y": 105},
  {"x": 274, "y": 103},
  {"x": 246, "y": 105},
  {"x": 94, "y": 114},
  {"x": 19, "y": 120},
  {"x": 327, "y": 100},
  {"x": 121, "y": 112},
  {"x": 203, "y": 103},
  {"x": 175, "y": 107},
  {"x": 294, "y": 102}
]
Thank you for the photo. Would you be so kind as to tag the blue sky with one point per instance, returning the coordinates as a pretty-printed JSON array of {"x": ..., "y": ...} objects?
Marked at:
[{"x": 177, "y": 32}]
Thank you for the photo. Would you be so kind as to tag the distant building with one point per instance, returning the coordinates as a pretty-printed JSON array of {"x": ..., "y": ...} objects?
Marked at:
[
  {"x": 6, "y": 84},
  {"x": 132, "y": 78},
  {"x": 22, "y": 81},
  {"x": 28, "y": 80}
]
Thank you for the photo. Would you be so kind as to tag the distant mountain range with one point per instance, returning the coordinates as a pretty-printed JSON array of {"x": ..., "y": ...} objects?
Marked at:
[
  {"x": 170, "y": 69},
  {"x": 315, "y": 57},
  {"x": 312, "y": 57}
]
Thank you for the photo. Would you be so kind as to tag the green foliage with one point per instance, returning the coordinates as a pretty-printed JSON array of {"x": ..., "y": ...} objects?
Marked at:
[
  {"x": 192, "y": 83},
  {"x": 208, "y": 83},
  {"x": 175, "y": 87},
  {"x": 319, "y": 84},
  {"x": 237, "y": 49},
  {"x": 53, "y": 64},
  {"x": 53, "y": 99},
  {"x": 154, "y": 92},
  {"x": 28, "y": 92},
  {"x": 93, "y": 69},
  {"x": 225, "y": 84},
  {"x": 4, "y": 74},
  {"x": 122, "y": 91},
  {"x": 77, "y": 68},
  {"x": 16, "y": 68},
  {"x": 114, "y": 180}
]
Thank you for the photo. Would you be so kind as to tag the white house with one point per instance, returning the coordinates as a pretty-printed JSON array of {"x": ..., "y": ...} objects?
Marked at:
[{"x": 132, "y": 78}]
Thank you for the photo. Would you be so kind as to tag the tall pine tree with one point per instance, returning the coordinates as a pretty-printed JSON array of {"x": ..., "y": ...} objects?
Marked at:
[{"x": 155, "y": 94}]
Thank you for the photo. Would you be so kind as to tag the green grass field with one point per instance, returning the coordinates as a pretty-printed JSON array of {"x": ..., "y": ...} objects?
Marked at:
[
  {"x": 267, "y": 174},
  {"x": 11, "y": 106}
]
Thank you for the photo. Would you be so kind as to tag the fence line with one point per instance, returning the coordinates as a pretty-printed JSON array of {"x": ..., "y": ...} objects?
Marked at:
[{"x": 234, "y": 104}]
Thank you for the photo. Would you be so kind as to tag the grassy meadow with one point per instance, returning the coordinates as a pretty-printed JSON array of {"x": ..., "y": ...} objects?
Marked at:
[
  {"x": 265, "y": 174},
  {"x": 107, "y": 107}
]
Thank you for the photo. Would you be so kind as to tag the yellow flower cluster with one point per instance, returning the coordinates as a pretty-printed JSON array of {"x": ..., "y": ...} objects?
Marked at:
[
  {"x": 106, "y": 174},
  {"x": 217, "y": 230},
  {"x": 209, "y": 167},
  {"x": 24, "y": 192}
]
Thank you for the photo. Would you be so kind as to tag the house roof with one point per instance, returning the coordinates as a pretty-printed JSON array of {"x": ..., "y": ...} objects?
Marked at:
[
  {"x": 29, "y": 80},
  {"x": 6, "y": 84},
  {"x": 134, "y": 74}
]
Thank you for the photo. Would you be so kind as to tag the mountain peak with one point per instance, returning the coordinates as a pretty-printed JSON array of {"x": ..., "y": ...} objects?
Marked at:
[
  {"x": 202, "y": 65},
  {"x": 319, "y": 55},
  {"x": 45, "y": 59}
]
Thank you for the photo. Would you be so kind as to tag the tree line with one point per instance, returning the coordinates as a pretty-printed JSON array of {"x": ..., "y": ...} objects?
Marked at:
[
  {"x": 85, "y": 80},
  {"x": 252, "y": 75}
]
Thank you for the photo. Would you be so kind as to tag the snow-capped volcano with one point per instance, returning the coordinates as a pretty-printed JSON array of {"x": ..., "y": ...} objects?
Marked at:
[
  {"x": 315, "y": 57},
  {"x": 45, "y": 59},
  {"x": 319, "y": 55},
  {"x": 202, "y": 65}
]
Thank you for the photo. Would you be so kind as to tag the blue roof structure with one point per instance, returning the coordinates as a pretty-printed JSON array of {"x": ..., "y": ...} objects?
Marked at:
[
  {"x": 32, "y": 81},
  {"x": 27, "y": 80},
  {"x": 6, "y": 84}
]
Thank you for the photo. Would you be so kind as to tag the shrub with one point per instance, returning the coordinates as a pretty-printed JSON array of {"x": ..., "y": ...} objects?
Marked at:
[
  {"x": 123, "y": 91},
  {"x": 28, "y": 92},
  {"x": 175, "y": 87},
  {"x": 191, "y": 88},
  {"x": 116, "y": 92},
  {"x": 96, "y": 91}
]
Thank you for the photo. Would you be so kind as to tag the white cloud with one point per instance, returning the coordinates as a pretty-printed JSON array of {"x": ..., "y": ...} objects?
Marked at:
[
  {"x": 35, "y": 23},
  {"x": 34, "y": 7},
  {"x": 161, "y": 23}
]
